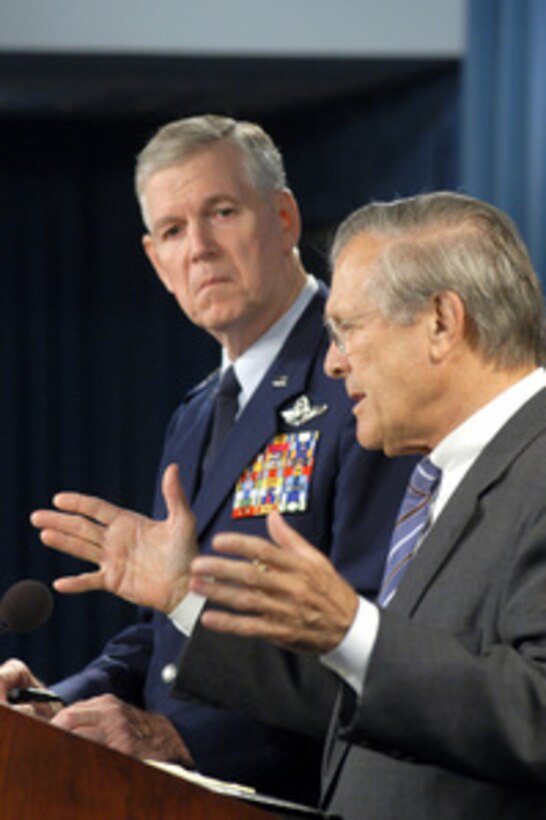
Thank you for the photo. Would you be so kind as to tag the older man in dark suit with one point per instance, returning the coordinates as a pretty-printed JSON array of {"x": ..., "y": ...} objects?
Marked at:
[{"x": 436, "y": 318}]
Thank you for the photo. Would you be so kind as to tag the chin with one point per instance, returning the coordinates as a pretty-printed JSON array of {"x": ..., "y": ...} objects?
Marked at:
[
  {"x": 219, "y": 318},
  {"x": 368, "y": 440}
]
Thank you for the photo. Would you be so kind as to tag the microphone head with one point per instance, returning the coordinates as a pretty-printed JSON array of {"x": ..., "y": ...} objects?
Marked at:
[{"x": 25, "y": 606}]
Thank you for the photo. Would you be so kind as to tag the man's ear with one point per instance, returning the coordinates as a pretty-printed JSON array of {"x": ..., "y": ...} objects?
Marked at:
[
  {"x": 290, "y": 219},
  {"x": 151, "y": 253},
  {"x": 446, "y": 323}
]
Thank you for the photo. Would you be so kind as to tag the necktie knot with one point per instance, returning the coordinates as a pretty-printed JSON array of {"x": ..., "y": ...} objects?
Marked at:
[
  {"x": 421, "y": 487},
  {"x": 411, "y": 526},
  {"x": 229, "y": 387}
]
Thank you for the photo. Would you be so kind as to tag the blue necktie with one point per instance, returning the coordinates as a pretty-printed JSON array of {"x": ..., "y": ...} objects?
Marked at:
[
  {"x": 410, "y": 527},
  {"x": 226, "y": 405}
]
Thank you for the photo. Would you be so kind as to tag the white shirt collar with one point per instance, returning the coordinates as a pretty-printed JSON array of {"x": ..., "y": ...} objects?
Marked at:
[
  {"x": 458, "y": 451},
  {"x": 251, "y": 365}
]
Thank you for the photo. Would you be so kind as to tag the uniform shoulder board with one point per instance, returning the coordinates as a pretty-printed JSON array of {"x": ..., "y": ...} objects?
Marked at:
[{"x": 198, "y": 388}]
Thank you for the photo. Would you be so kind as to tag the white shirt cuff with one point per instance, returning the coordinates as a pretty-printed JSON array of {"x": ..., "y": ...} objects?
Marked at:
[
  {"x": 351, "y": 657},
  {"x": 186, "y": 614}
]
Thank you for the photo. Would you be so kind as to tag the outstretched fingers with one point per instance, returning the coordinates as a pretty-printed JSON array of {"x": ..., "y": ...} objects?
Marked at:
[
  {"x": 275, "y": 569},
  {"x": 259, "y": 595},
  {"x": 222, "y": 579},
  {"x": 100, "y": 511},
  {"x": 72, "y": 534},
  {"x": 265, "y": 565},
  {"x": 287, "y": 592},
  {"x": 76, "y": 528},
  {"x": 262, "y": 587},
  {"x": 85, "y": 582},
  {"x": 140, "y": 559}
]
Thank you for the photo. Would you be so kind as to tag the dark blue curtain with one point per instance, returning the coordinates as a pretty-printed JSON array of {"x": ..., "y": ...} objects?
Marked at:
[
  {"x": 94, "y": 354},
  {"x": 93, "y": 357},
  {"x": 504, "y": 131}
]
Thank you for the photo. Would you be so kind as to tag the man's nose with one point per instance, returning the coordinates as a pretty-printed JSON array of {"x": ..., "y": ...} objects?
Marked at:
[
  {"x": 336, "y": 364},
  {"x": 200, "y": 241}
]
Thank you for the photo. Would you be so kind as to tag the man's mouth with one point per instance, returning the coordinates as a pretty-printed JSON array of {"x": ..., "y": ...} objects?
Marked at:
[
  {"x": 212, "y": 281},
  {"x": 357, "y": 399}
]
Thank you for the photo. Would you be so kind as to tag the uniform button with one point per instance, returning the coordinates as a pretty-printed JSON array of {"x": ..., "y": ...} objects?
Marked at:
[{"x": 169, "y": 673}]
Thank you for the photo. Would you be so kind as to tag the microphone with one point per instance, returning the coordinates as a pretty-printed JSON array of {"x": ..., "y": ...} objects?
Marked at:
[{"x": 25, "y": 606}]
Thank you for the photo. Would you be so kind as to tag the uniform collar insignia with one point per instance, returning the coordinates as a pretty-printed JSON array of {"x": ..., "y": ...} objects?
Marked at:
[
  {"x": 280, "y": 381},
  {"x": 302, "y": 411}
]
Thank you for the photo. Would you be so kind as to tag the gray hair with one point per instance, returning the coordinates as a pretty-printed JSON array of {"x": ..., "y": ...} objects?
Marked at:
[
  {"x": 448, "y": 241},
  {"x": 178, "y": 141}
]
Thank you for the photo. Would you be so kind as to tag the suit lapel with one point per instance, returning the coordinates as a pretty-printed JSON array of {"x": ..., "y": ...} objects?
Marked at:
[
  {"x": 189, "y": 445},
  {"x": 286, "y": 379},
  {"x": 512, "y": 439}
]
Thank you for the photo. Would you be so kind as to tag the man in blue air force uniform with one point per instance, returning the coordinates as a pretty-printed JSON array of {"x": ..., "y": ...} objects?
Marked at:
[{"x": 222, "y": 235}]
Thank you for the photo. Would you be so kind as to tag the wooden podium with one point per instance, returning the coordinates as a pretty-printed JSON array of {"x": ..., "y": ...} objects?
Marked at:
[{"x": 49, "y": 774}]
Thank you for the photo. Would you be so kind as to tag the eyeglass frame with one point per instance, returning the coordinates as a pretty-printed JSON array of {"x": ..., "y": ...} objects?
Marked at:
[{"x": 337, "y": 330}]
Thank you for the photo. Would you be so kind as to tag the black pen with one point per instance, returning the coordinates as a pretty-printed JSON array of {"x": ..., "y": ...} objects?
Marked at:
[{"x": 32, "y": 694}]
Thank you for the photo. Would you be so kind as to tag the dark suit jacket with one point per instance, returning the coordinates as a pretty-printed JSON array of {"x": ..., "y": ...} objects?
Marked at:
[
  {"x": 452, "y": 721},
  {"x": 353, "y": 498}
]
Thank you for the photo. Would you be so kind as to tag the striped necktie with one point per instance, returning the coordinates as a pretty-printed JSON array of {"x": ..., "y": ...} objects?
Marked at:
[{"x": 410, "y": 527}]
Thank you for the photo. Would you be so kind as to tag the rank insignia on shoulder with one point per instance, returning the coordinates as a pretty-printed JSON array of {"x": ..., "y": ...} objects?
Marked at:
[
  {"x": 302, "y": 411},
  {"x": 279, "y": 478}
]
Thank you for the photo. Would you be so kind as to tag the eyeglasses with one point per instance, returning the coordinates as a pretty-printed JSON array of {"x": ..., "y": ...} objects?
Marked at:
[{"x": 338, "y": 330}]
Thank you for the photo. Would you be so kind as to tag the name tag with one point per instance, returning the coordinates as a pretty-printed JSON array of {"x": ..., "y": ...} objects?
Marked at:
[{"x": 280, "y": 477}]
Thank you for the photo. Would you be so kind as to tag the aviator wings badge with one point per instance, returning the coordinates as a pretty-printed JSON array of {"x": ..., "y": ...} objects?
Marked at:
[{"x": 302, "y": 411}]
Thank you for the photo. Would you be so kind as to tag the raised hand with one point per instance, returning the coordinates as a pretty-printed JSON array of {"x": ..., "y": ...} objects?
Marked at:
[
  {"x": 286, "y": 592},
  {"x": 139, "y": 559}
]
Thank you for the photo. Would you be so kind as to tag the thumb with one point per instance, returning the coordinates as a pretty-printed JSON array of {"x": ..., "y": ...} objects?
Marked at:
[
  {"x": 287, "y": 537},
  {"x": 173, "y": 494}
]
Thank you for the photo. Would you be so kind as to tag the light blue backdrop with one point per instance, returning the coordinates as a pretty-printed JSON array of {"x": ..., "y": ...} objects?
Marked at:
[{"x": 504, "y": 114}]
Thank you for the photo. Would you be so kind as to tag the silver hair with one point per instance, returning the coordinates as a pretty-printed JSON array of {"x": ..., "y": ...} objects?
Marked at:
[
  {"x": 448, "y": 241},
  {"x": 180, "y": 140}
]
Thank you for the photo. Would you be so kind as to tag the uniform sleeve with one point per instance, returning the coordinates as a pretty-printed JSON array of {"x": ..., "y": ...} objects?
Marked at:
[{"x": 120, "y": 668}]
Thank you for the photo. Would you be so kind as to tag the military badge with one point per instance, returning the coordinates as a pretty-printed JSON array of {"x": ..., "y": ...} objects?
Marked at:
[
  {"x": 302, "y": 411},
  {"x": 280, "y": 477}
]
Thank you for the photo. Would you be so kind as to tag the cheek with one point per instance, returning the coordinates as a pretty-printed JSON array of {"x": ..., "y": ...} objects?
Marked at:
[
  {"x": 180, "y": 287},
  {"x": 262, "y": 258},
  {"x": 166, "y": 266}
]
